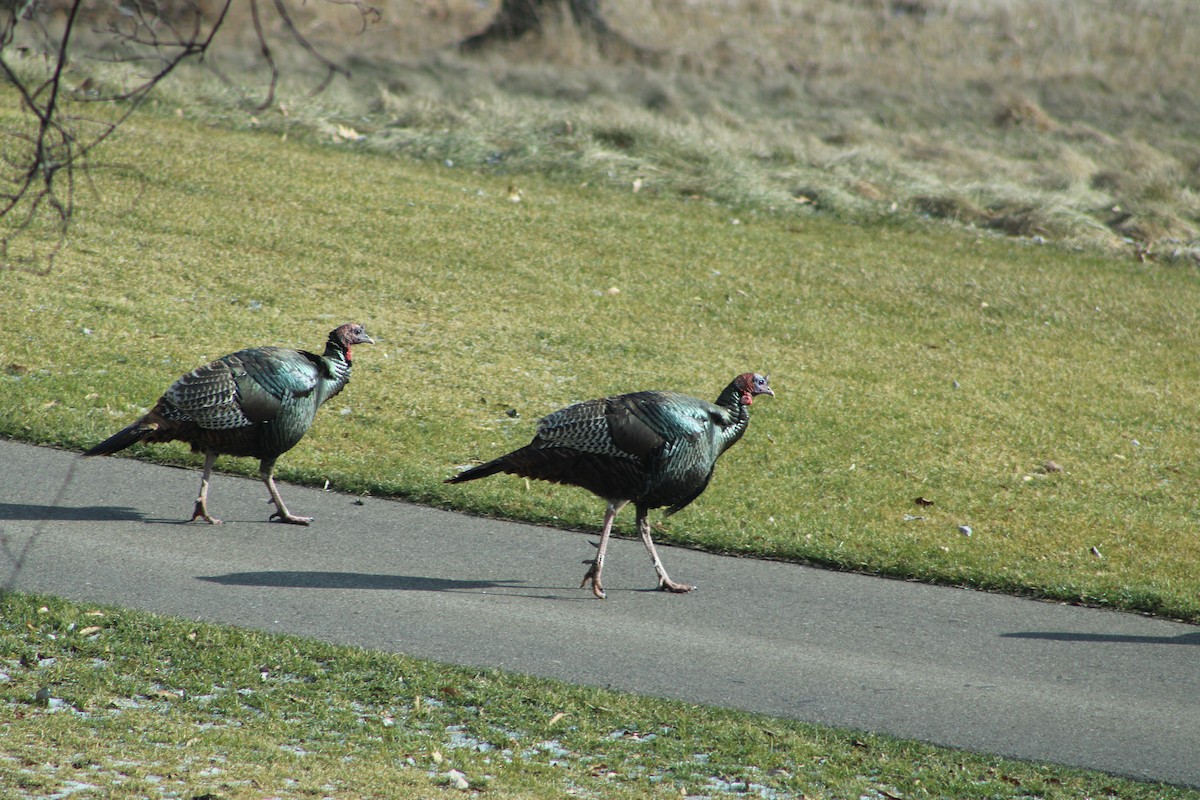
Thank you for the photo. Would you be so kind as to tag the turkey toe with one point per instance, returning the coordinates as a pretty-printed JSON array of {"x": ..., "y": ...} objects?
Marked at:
[
  {"x": 201, "y": 512},
  {"x": 593, "y": 577},
  {"x": 291, "y": 519}
]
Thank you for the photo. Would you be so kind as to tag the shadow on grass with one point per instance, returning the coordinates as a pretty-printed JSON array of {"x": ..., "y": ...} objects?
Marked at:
[
  {"x": 293, "y": 579},
  {"x": 1105, "y": 638},
  {"x": 42, "y": 513}
]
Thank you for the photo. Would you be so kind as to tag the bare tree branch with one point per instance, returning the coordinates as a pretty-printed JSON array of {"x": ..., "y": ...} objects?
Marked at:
[{"x": 39, "y": 161}]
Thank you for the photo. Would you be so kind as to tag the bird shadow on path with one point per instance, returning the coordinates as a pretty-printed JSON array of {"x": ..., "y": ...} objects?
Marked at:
[
  {"x": 300, "y": 579},
  {"x": 43, "y": 513},
  {"x": 1105, "y": 638}
]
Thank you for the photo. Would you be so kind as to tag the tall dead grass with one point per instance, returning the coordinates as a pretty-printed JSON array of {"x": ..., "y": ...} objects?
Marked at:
[{"x": 1062, "y": 121}]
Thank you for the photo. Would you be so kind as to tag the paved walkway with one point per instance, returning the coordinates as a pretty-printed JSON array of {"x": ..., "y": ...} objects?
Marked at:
[{"x": 1084, "y": 687}]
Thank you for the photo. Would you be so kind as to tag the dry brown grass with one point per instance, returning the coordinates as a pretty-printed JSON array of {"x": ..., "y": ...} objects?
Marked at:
[{"x": 1032, "y": 118}]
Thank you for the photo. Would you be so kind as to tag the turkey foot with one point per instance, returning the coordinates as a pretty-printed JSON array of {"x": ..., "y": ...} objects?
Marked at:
[
  {"x": 665, "y": 584},
  {"x": 201, "y": 512},
  {"x": 283, "y": 516},
  {"x": 281, "y": 512},
  {"x": 593, "y": 575}
]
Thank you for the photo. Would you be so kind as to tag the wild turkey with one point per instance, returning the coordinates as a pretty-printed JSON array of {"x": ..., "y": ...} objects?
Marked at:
[
  {"x": 256, "y": 403},
  {"x": 652, "y": 449}
]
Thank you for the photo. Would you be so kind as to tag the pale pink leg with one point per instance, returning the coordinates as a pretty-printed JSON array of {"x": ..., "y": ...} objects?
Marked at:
[
  {"x": 266, "y": 472},
  {"x": 664, "y": 581},
  {"x": 201, "y": 509},
  {"x": 593, "y": 574}
]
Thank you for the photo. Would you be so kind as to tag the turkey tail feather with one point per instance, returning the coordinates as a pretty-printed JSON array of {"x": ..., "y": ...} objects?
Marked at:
[
  {"x": 602, "y": 475},
  {"x": 481, "y": 471},
  {"x": 122, "y": 439}
]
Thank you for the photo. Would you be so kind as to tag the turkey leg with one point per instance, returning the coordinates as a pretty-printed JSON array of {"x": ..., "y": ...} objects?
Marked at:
[
  {"x": 664, "y": 580},
  {"x": 593, "y": 574},
  {"x": 266, "y": 471},
  {"x": 201, "y": 509}
]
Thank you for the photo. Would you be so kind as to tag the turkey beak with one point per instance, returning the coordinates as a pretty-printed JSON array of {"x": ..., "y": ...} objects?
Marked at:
[{"x": 365, "y": 339}]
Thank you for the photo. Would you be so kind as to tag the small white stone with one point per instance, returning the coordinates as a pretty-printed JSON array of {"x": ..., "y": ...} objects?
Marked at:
[{"x": 458, "y": 780}]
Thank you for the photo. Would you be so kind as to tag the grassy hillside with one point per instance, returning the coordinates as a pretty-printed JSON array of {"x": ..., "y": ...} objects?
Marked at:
[
  {"x": 1026, "y": 118},
  {"x": 927, "y": 379},
  {"x": 1029, "y": 118}
]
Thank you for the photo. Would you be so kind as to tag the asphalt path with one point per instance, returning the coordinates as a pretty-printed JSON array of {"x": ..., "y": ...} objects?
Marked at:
[{"x": 990, "y": 673}]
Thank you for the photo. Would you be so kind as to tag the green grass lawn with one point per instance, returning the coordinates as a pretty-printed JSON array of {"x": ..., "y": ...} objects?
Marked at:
[
  {"x": 103, "y": 702},
  {"x": 927, "y": 379}
]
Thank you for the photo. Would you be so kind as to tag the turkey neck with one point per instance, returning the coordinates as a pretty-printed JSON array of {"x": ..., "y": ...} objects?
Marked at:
[
  {"x": 737, "y": 417},
  {"x": 339, "y": 360}
]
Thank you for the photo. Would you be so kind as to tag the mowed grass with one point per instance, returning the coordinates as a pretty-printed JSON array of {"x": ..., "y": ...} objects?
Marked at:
[
  {"x": 927, "y": 379},
  {"x": 104, "y": 702}
]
